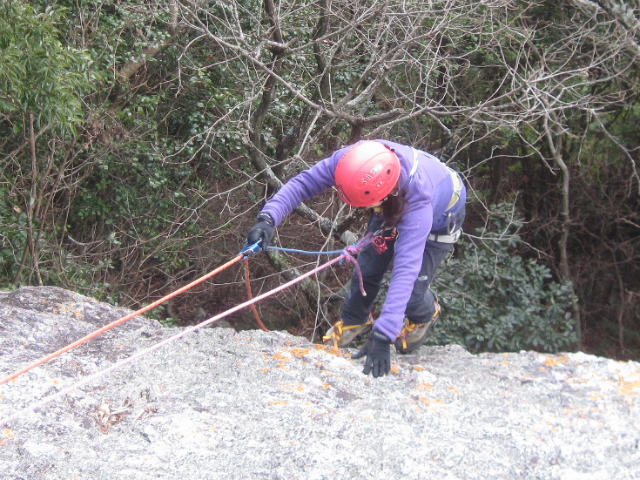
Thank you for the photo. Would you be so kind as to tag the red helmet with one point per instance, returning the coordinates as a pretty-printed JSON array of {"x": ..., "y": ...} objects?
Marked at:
[{"x": 367, "y": 173}]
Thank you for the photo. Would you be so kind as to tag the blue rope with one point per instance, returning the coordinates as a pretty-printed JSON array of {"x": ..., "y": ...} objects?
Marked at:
[
  {"x": 306, "y": 252},
  {"x": 247, "y": 249},
  {"x": 348, "y": 253}
]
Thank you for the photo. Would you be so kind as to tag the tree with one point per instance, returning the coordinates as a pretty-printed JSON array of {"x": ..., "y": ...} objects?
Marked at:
[
  {"x": 42, "y": 82},
  {"x": 194, "y": 112},
  {"x": 477, "y": 82}
]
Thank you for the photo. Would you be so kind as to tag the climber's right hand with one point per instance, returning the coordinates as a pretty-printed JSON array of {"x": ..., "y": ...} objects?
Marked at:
[{"x": 263, "y": 231}]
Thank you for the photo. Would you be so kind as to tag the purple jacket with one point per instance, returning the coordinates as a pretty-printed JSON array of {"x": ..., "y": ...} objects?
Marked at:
[{"x": 429, "y": 188}]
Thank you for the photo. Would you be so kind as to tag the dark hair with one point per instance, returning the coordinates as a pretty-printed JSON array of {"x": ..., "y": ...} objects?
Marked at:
[{"x": 392, "y": 208}]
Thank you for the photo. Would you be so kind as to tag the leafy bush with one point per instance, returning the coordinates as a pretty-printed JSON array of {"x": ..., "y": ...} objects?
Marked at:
[
  {"x": 41, "y": 74},
  {"x": 493, "y": 299},
  {"x": 12, "y": 236}
]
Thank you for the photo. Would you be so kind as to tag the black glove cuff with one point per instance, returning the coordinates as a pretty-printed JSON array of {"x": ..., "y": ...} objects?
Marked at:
[
  {"x": 265, "y": 217},
  {"x": 381, "y": 337}
]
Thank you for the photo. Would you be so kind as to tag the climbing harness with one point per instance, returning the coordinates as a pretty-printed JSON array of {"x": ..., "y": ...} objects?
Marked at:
[
  {"x": 347, "y": 254},
  {"x": 452, "y": 237}
]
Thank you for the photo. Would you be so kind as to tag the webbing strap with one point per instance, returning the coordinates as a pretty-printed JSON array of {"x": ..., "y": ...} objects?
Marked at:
[
  {"x": 414, "y": 165},
  {"x": 457, "y": 187}
]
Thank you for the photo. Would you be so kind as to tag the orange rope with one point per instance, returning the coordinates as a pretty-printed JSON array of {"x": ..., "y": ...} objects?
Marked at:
[
  {"x": 120, "y": 321},
  {"x": 254, "y": 309},
  {"x": 182, "y": 333}
]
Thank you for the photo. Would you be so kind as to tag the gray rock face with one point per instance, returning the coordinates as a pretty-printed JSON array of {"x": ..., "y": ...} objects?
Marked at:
[{"x": 218, "y": 404}]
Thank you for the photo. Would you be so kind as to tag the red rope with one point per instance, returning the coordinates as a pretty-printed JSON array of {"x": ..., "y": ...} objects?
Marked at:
[
  {"x": 254, "y": 309},
  {"x": 120, "y": 321}
]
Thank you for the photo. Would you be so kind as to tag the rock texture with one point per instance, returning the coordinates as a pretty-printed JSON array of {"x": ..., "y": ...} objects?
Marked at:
[{"x": 220, "y": 404}]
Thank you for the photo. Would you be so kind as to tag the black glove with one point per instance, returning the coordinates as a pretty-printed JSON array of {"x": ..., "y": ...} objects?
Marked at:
[
  {"x": 377, "y": 350},
  {"x": 263, "y": 231}
]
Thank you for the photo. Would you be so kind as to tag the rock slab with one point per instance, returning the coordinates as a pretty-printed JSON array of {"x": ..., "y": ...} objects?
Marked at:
[{"x": 221, "y": 404}]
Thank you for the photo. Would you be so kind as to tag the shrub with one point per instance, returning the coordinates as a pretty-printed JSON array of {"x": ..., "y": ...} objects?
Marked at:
[{"x": 494, "y": 299}]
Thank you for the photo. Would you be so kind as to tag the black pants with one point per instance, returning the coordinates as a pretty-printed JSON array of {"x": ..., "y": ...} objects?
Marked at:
[{"x": 373, "y": 265}]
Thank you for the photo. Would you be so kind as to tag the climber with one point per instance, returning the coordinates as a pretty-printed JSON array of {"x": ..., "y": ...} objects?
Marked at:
[{"x": 417, "y": 204}]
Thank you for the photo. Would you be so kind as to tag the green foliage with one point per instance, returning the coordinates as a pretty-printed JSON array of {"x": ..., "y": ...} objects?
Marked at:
[
  {"x": 12, "y": 235},
  {"x": 145, "y": 128},
  {"x": 495, "y": 300},
  {"x": 40, "y": 74},
  {"x": 46, "y": 79},
  {"x": 136, "y": 199}
]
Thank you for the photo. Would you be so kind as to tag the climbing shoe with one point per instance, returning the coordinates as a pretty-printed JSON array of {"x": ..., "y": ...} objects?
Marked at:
[
  {"x": 341, "y": 335},
  {"x": 414, "y": 334}
]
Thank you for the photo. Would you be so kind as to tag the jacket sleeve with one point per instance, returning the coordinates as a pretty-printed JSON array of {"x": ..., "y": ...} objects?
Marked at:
[
  {"x": 303, "y": 186},
  {"x": 413, "y": 230}
]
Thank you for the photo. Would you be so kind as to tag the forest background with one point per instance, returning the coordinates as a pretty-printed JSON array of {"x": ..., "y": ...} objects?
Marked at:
[{"x": 139, "y": 139}]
